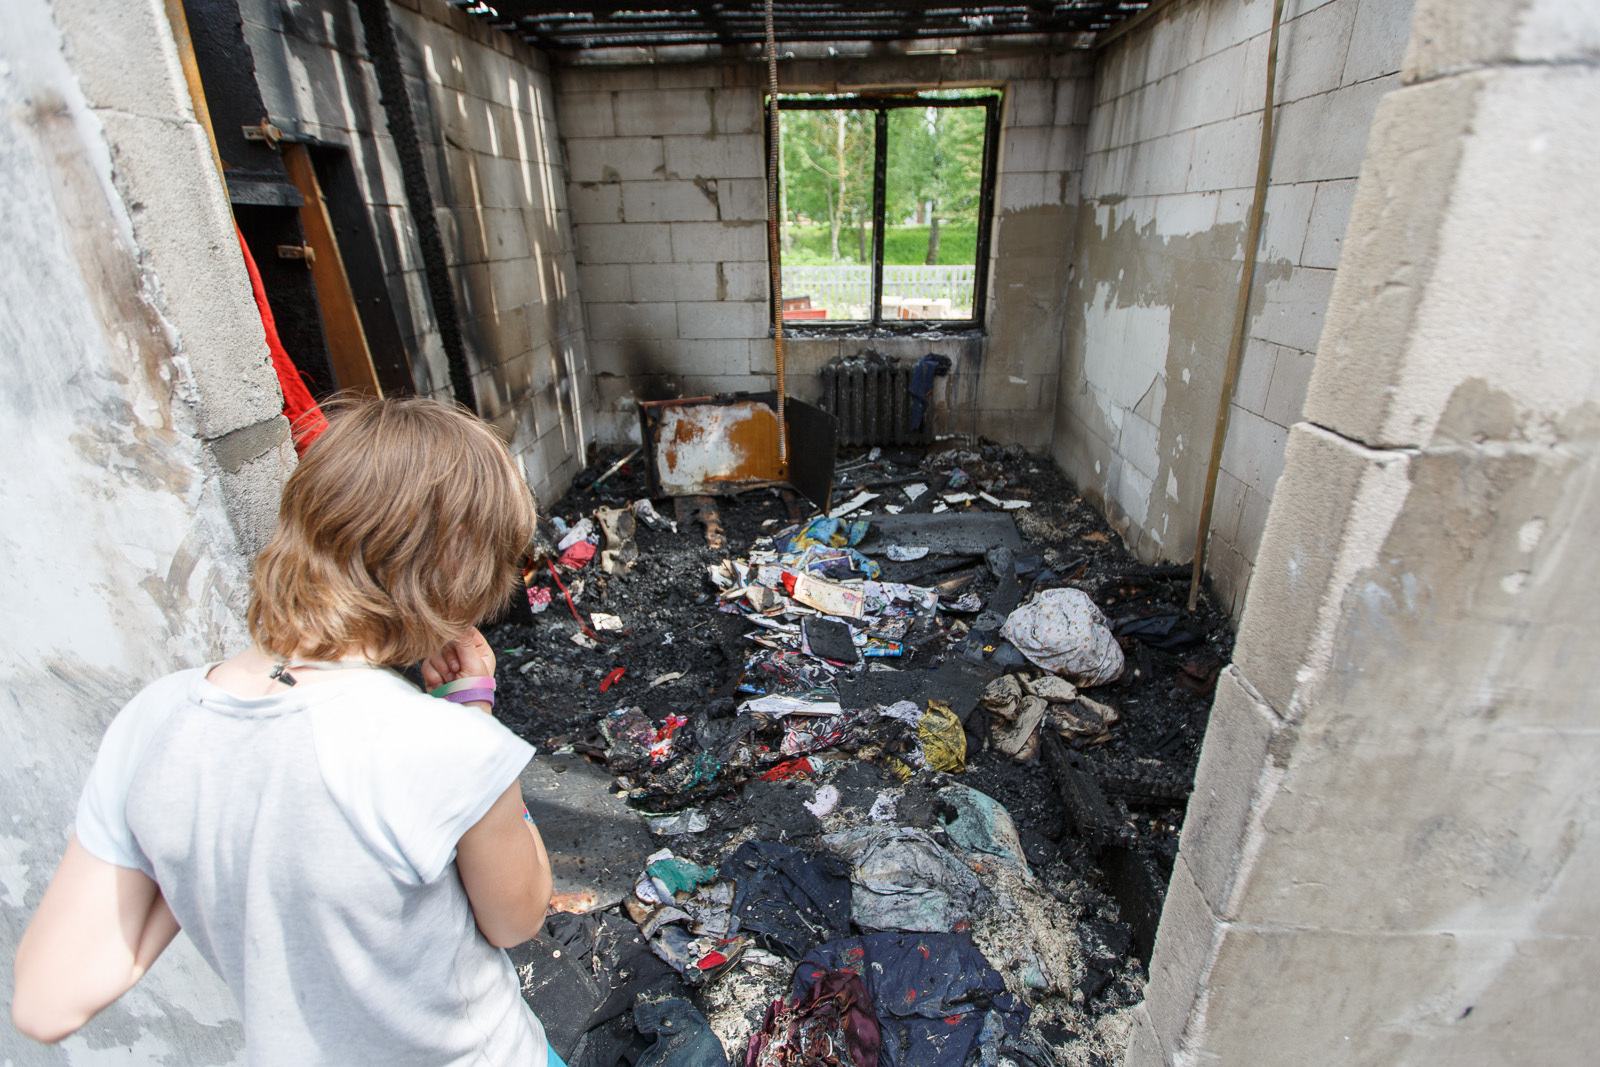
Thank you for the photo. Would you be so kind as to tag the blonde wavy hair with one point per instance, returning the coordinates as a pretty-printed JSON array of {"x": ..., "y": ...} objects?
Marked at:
[{"x": 401, "y": 527}]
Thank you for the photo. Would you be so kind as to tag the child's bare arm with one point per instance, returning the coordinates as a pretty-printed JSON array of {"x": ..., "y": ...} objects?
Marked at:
[
  {"x": 506, "y": 872},
  {"x": 98, "y": 929}
]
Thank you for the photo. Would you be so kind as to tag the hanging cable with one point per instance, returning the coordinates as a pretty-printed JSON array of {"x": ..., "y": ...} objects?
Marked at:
[{"x": 774, "y": 257}]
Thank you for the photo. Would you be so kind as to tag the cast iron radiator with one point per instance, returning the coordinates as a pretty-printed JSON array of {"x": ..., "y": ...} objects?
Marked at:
[{"x": 870, "y": 395}]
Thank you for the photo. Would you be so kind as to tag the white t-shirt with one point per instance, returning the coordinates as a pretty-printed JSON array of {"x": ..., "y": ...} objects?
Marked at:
[{"x": 306, "y": 842}]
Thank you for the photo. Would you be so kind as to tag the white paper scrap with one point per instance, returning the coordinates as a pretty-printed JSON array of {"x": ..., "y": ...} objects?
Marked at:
[
  {"x": 580, "y": 532},
  {"x": 852, "y": 504},
  {"x": 778, "y": 704},
  {"x": 915, "y": 490},
  {"x": 1016, "y": 505},
  {"x": 905, "y": 711},
  {"x": 826, "y": 800}
]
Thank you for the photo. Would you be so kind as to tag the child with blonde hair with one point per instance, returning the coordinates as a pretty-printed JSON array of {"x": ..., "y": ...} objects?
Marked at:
[{"x": 350, "y": 855}]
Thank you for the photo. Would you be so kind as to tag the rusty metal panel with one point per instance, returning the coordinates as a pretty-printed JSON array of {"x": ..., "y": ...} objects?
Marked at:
[{"x": 709, "y": 445}]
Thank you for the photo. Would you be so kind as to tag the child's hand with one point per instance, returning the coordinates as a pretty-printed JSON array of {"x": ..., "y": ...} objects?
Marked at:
[{"x": 468, "y": 656}]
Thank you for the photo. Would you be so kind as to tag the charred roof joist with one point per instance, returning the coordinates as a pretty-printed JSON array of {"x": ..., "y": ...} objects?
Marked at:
[{"x": 566, "y": 25}]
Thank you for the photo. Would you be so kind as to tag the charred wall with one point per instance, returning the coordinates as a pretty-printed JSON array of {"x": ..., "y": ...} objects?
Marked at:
[
  {"x": 484, "y": 111},
  {"x": 667, "y": 183},
  {"x": 1168, "y": 177}
]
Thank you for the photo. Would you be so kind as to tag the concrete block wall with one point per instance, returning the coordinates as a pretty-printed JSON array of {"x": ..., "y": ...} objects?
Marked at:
[
  {"x": 1173, "y": 136},
  {"x": 485, "y": 114},
  {"x": 665, "y": 171},
  {"x": 667, "y": 165},
  {"x": 1390, "y": 852}
]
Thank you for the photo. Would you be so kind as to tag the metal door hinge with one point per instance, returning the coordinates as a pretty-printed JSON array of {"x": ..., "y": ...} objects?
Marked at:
[{"x": 264, "y": 131}]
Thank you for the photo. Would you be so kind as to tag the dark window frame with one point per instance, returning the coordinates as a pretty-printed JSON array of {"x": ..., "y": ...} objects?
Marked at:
[{"x": 882, "y": 104}]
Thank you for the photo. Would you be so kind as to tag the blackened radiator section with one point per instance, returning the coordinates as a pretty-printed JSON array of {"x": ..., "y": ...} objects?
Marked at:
[{"x": 871, "y": 398}]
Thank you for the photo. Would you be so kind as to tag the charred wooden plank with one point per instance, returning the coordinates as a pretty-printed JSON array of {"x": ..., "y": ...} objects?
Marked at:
[
  {"x": 1089, "y": 815},
  {"x": 1139, "y": 889}
]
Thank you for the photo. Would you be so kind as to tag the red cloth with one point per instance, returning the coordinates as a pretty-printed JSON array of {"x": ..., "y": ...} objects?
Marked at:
[
  {"x": 306, "y": 420},
  {"x": 576, "y": 555}
]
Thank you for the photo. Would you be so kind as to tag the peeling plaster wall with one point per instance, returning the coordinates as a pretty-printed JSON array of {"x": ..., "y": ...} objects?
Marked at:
[
  {"x": 1167, "y": 182},
  {"x": 144, "y": 454},
  {"x": 667, "y": 173},
  {"x": 485, "y": 115},
  {"x": 1391, "y": 850}
]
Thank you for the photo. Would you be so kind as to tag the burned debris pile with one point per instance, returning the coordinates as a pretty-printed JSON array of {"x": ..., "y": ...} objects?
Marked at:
[{"x": 911, "y": 773}]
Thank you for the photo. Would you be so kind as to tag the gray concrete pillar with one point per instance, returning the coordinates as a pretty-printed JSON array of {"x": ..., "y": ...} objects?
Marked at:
[{"x": 1391, "y": 850}]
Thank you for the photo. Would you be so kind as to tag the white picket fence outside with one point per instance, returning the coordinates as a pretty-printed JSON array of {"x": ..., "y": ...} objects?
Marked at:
[{"x": 846, "y": 291}]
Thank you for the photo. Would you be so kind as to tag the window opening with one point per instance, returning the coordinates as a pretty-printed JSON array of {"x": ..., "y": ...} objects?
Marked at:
[{"x": 885, "y": 205}]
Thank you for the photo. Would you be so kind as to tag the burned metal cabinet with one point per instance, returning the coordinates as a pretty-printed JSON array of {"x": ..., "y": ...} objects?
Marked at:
[{"x": 710, "y": 445}]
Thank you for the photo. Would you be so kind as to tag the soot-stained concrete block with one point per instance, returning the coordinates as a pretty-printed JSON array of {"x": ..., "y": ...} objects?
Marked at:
[
  {"x": 1183, "y": 951},
  {"x": 1235, "y": 764},
  {"x": 1332, "y": 507}
]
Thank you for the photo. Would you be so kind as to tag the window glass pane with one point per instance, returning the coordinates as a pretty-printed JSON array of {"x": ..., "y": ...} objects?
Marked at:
[
  {"x": 826, "y": 188},
  {"x": 931, "y": 198}
]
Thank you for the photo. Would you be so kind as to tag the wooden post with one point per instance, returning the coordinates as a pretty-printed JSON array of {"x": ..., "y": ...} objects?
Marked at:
[{"x": 341, "y": 320}]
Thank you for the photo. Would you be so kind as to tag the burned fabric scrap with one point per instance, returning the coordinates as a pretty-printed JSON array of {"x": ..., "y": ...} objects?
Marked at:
[
  {"x": 1160, "y": 630},
  {"x": 983, "y": 829},
  {"x": 902, "y": 879},
  {"x": 1019, "y": 739},
  {"x": 1001, "y": 697},
  {"x": 683, "y": 1038},
  {"x": 809, "y": 1029},
  {"x": 673, "y": 875},
  {"x": 633, "y": 741},
  {"x": 788, "y": 900},
  {"x": 1055, "y": 690},
  {"x": 1081, "y": 718},
  {"x": 932, "y": 994},
  {"x": 928, "y": 368},
  {"x": 1104, "y": 945},
  {"x": 698, "y": 959},
  {"x": 629, "y": 735}
]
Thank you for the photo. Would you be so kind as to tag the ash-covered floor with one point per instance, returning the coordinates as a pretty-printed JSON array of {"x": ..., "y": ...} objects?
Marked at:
[{"x": 1065, "y": 929}]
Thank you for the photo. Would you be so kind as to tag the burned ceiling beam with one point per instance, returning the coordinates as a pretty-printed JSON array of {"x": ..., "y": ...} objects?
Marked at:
[{"x": 566, "y": 25}]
